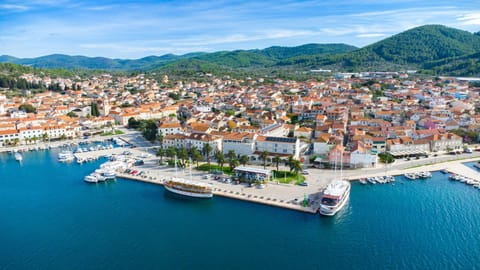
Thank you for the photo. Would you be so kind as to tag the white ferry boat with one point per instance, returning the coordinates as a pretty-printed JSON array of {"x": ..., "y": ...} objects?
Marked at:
[
  {"x": 334, "y": 197},
  {"x": 189, "y": 188}
]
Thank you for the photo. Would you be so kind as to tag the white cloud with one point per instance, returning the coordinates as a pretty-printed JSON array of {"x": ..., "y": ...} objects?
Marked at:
[
  {"x": 470, "y": 19},
  {"x": 13, "y": 7},
  {"x": 371, "y": 35}
]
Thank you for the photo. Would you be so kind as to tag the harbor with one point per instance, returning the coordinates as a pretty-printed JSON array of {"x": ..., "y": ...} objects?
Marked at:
[
  {"x": 289, "y": 196},
  {"x": 54, "y": 197}
]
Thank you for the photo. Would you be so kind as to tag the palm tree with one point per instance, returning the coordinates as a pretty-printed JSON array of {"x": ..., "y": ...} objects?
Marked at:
[
  {"x": 296, "y": 166},
  {"x": 182, "y": 155},
  {"x": 171, "y": 151},
  {"x": 196, "y": 156},
  {"x": 233, "y": 162},
  {"x": 44, "y": 137},
  {"x": 277, "y": 160},
  {"x": 263, "y": 156},
  {"x": 220, "y": 159},
  {"x": 16, "y": 141},
  {"x": 35, "y": 139},
  {"x": 231, "y": 154},
  {"x": 207, "y": 149},
  {"x": 160, "y": 138},
  {"x": 160, "y": 153},
  {"x": 244, "y": 160},
  {"x": 289, "y": 162}
]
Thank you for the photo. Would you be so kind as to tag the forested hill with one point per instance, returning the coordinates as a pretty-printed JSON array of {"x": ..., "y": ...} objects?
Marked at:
[
  {"x": 414, "y": 48},
  {"x": 433, "y": 49},
  {"x": 239, "y": 58}
]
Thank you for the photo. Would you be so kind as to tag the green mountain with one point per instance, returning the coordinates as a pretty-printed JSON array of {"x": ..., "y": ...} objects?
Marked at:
[
  {"x": 410, "y": 49},
  {"x": 234, "y": 59},
  {"x": 434, "y": 49},
  {"x": 467, "y": 65}
]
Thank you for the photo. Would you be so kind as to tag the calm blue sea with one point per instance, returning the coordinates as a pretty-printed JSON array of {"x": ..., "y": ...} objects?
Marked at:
[{"x": 51, "y": 219}]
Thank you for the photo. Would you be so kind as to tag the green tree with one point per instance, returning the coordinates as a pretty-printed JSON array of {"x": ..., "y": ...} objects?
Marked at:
[
  {"x": 94, "y": 109},
  {"x": 133, "y": 123},
  {"x": 232, "y": 163},
  {"x": 244, "y": 160},
  {"x": 263, "y": 156},
  {"x": 386, "y": 157},
  {"x": 72, "y": 115},
  {"x": 161, "y": 153},
  {"x": 182, "y": 154},
  {"x": 277, "y": 160},
  {"x": 296, "y": 166},
  {"x": 160, "y": 138},
  {"x": 171, "y": 151},
  {"x": 28, "y": 108},
  {"x": 220, "y": 159},
  {"x": 196, "y": 155},
  {"x": 207, "y": 149}
]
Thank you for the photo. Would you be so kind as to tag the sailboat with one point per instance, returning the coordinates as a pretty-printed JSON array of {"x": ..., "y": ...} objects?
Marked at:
[{"x": 188, "y": 188}]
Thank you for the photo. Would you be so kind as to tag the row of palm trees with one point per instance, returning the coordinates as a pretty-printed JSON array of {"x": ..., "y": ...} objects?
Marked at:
[{"x": 231, "y": 158}]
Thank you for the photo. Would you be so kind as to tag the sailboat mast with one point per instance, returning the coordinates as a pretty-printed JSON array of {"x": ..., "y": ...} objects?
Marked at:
[
  {"x": 176, "y": 174},
  {"x": 341, "y": 165}
]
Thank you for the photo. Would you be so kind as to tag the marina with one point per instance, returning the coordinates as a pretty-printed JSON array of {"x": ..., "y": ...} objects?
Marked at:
[{"x": 47, "y": 197}]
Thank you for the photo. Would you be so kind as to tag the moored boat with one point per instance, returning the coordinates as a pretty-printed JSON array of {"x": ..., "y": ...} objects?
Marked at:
[
  {"x": 411, "y": 176},
  {"x": 362, "y": 181},
  {"x": 424, "y": 175},
  {"x": 189, "y": 188},
  {"x": 90, "y": 179},
  {"x": 18, "y": 156},
  {"x": 334, "y": 197}
]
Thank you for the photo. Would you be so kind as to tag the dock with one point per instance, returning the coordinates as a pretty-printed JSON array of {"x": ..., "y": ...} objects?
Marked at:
[{"x": 244, "y": 194}]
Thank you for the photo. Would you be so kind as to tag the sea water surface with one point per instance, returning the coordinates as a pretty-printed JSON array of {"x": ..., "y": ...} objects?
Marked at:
[{"x": 51, "y": 219}]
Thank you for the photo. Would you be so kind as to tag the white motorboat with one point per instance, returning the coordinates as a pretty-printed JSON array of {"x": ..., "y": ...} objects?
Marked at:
[
  {"x": 90, "y": 178},
  {"x": 18, "y": 156},
  {"x": 371, "y": 180},
  {"x": 411, "y": 176}
]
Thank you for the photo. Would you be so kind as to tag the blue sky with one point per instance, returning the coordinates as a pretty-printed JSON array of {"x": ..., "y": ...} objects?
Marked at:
[{"x": 134, "y": 29}]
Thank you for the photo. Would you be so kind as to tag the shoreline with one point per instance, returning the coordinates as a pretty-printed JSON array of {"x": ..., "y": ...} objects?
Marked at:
[{"x": 288, "y": 196}]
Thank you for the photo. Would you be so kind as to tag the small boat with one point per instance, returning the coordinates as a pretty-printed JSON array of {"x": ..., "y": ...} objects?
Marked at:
[
  {"x": 18, "y": 157},
  {"x": 424, "y": 175},
  {"x": 410, "y": 176},
  {"x": 362, "y": 181},
  {"x": 90, "y": 179},
  {"x": 389, "y": 178},
  {"x": 371, "y": 180}
]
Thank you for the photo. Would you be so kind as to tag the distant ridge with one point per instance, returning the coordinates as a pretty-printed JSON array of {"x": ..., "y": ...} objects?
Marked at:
[
  {"x": 434, "y": 49},
  {"x": 238, "y": 58}
]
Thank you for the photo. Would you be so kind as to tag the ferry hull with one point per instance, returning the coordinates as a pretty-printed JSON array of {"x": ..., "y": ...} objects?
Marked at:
[
  {"x": 189, "y": 194},
  {"x": 331, "y": 211}
]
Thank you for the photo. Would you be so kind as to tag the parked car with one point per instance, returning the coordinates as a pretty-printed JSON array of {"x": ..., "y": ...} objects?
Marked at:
[{"x": 305, "y": 172}]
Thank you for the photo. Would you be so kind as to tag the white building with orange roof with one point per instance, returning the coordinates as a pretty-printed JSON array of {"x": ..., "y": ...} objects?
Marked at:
[
  {"x": 167, "y": 128},
  {"x": 242, "y": 143}
]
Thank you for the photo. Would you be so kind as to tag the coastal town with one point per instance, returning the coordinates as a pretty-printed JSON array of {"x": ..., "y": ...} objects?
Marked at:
[
  {"x": 357, "y": 116},
  {"x": 352, "y": 121}
]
